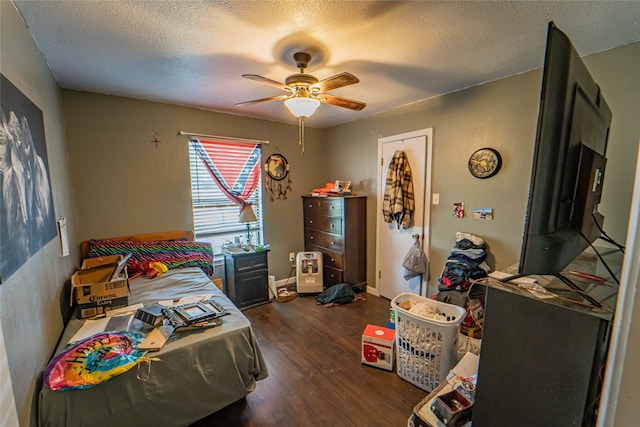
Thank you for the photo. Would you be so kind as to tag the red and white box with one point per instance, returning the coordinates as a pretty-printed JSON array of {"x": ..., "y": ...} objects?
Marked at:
[{"x": 378, "y": 347}]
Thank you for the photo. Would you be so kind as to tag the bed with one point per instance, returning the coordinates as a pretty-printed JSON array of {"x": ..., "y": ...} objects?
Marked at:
[{"x": 198, "y": 371}]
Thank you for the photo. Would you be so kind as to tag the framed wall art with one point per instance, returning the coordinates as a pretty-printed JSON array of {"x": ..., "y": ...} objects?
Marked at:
[{"x": 27, "y": 219}]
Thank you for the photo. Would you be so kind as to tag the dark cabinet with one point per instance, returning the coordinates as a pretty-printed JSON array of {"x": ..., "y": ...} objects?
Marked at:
[
  {"x": 247, "y": 278},
  {"x": 541, "y": 363},
  {"x": 336, "y": 227}
]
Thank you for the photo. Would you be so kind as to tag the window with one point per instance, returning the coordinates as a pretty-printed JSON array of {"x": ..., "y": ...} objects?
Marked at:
[{"x": 236, "y": 165}]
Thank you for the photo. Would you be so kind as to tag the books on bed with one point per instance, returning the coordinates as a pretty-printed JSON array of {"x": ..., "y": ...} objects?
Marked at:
[
  {"x": 190, "y": 312},
  {"x": 151, "y": 314}
]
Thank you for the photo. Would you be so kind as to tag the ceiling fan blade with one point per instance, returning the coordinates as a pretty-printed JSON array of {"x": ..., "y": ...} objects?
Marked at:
[
  {"x": 265, "y": 80},
  {"x": 340, "y": 102},
  {"x": 271, "y": 98},
  {"x": 334, "y": 82}
]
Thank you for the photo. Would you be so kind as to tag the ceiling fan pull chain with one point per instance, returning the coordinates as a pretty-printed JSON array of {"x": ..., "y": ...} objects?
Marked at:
[{"x": 301, "y": 134}]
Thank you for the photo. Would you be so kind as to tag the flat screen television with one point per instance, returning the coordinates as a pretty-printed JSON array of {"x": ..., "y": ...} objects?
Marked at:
[{"x": 562, "y": 217}]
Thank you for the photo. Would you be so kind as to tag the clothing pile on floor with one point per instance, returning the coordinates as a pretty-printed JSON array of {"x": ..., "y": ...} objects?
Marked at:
[
  {"x": 341, "y": 293},
  {"x": 465, "y": 264}
]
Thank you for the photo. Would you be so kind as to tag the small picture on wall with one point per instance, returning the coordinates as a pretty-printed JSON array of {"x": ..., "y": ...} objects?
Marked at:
[
  {"x": 483, "y": 213},
  {"x": 458, "y": 210}
]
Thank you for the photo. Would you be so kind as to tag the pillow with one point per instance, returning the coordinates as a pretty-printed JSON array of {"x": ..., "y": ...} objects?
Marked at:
[{"x": 173, "y": 253}]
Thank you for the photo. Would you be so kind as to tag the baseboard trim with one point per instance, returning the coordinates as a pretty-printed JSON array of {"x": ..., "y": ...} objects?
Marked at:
[{"x": 285, "y": 282}]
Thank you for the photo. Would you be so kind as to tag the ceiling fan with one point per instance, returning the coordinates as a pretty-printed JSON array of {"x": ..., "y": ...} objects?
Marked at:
[{"x": 305, "y": 91}]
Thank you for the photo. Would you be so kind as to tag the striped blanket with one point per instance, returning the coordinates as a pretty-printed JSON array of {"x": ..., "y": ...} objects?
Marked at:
[{"x": 173, "y": 253}]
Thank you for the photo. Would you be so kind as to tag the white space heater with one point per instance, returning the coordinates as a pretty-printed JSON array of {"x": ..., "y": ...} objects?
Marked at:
[{"x": 309, "y": 272}]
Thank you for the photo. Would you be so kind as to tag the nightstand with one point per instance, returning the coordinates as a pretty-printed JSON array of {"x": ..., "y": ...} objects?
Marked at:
[{"x": 247, "y": 277}]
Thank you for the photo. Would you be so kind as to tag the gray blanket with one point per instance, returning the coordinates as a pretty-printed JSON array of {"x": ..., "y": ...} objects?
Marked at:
[{"x": 198, "y": 372}]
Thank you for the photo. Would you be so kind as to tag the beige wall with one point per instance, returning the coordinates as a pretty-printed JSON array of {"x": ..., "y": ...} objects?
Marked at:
[
  {"x": 503, "y": 115},
  {"x": 31, "y": 298},
  {"x": 617, "y": 73},
  {"x": 124, "y": 184}
]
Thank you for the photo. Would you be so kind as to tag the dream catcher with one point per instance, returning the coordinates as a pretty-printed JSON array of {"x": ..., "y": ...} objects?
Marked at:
[{"x": 278, "y": 180}]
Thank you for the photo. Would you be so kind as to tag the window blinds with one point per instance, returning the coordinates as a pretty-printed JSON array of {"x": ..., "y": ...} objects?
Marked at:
[{"x": 216, "y": 210}]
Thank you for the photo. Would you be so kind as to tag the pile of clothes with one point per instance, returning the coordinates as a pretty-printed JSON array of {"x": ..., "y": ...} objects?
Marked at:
[{"x": 465, "y": 264}]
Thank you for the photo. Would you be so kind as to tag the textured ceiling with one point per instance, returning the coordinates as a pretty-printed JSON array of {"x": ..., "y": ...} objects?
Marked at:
[{"x": 194, "y": 52}]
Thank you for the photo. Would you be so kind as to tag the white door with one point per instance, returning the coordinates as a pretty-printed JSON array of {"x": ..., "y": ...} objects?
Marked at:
[{"x": 392, "y": 243}]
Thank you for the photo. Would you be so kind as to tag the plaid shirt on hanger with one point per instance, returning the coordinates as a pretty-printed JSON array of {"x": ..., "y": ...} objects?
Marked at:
[{"x": 398, "y": 203}]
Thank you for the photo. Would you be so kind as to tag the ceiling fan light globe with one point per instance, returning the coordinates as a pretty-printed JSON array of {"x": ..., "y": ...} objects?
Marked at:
[{"x": 302, "y": 107}]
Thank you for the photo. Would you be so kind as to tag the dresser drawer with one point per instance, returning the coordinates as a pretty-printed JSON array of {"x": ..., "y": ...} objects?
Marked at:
[
  {"x": 331, "y": 276},
  {"x": 324, "y": 223},
  {"x": 324, "y": 240},
  {"x": 329, "y": 206},
  {"x": 329, "y": 258}
]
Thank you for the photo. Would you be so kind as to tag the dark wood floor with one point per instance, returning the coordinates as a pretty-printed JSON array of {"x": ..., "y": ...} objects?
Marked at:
[{"x": 315, "y": 374}]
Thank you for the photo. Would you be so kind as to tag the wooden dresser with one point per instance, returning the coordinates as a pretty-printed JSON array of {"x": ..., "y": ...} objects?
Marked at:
[{"x": 336, "y": 227}]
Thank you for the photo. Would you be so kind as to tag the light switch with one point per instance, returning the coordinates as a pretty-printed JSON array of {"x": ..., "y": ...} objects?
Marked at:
[{"x": 435, "y": 199}]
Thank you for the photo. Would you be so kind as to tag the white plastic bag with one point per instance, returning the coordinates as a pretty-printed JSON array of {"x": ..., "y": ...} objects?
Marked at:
[{"x": 415, "y": 261}]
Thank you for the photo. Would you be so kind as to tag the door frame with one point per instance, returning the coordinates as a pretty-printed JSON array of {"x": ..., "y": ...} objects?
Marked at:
[
  {"x": 426, "y": 220},
  {"x": 620, "y": 354}
]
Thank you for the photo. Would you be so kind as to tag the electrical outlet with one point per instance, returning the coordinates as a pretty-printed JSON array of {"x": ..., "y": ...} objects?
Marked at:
[{"x": 292, "y": 256}]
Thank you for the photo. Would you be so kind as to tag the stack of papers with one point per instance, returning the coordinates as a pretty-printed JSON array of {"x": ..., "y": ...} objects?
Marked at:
[
  {"x": 120, "y": 320},
  {"x": 123, "y": 319}
]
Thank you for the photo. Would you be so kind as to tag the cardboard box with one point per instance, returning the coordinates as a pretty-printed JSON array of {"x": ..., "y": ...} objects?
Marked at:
[
  {"x": 103, "y": 269},
  {"x": 100, "y": 285},
  {"x": 97, "y": 298},
  {"x": 92, "y": 275},
  {"x": 101, "y": 261},
  {"x": 378, "y": 347}
]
